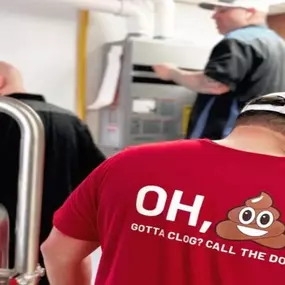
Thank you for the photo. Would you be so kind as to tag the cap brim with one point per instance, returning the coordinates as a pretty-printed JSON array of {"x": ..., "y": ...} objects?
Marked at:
[
  {"x": 213, "y": 5},
  {"x": 207, "y": 6},
  {"x": 268, "y": 108}
]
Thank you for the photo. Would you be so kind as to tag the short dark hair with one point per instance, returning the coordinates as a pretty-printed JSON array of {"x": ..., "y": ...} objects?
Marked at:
[
  {"x": 276, "y": 100},
  {"x": 271, "y": 120}
]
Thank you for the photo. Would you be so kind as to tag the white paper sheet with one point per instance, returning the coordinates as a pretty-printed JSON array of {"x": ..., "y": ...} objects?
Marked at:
[{"x": 108, "y": 89}]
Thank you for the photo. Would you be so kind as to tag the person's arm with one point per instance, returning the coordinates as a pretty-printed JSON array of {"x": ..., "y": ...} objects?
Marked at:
[
  {"x": 228, "y": 65},
  {"x": 67, "y": 260},
  {"x": 198, "y": 82},
  {"x": 75, "y": 235}
]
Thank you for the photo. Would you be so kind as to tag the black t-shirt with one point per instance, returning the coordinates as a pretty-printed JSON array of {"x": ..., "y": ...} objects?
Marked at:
[
  {"x": 251, "y": 62},
  {"x": 70, "y": 156}
]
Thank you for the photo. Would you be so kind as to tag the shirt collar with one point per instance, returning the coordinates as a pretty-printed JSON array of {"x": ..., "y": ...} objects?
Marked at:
[{"x": 25, "y": 96}]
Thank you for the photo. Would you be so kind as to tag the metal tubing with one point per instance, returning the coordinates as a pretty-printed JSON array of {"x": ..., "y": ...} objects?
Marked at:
[{"x": 31, "y": 167}]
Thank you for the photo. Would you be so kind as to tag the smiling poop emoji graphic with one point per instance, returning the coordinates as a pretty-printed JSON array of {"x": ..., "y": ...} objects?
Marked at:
[{"x": 257, "y": 221}]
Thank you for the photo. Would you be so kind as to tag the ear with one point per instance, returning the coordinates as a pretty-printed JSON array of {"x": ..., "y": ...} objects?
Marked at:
[{"x": 250, "y": 11}]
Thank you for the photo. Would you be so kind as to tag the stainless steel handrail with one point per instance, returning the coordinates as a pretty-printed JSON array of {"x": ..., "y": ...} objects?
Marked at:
[{"x": 30, "y": 183}]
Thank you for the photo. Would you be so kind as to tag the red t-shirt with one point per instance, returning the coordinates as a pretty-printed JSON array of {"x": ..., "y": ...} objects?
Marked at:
[{"x": 181, "y": 213}]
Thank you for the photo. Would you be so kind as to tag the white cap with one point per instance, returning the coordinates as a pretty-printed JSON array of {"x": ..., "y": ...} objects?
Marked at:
[
  {"x": 259, "y": 5},
  {"x": 274, "y": 102}
]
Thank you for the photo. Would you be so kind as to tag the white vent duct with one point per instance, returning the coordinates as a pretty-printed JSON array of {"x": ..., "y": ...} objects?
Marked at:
[
  {"x": 164, "y": 15},
  {"x": 138, "y": 12},
  {"x": 121, "y": 8},
  {"x": 124, "y": 8},
  {"x": 164, "y": 18}
]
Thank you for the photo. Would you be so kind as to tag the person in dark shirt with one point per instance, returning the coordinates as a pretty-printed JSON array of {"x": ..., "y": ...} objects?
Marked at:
[
  {"x": 69, "y": 157},
  {"x": 247, "y": 62}
]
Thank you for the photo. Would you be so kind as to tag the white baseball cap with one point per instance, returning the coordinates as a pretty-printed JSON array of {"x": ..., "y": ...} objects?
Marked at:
[
  {"x": 274, "y": 102},
  {"x": 259, "y": 5}
]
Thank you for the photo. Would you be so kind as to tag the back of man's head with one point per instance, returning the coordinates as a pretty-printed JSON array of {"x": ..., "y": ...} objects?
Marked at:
[
  {"x": 260, "y": 127},
  {"x": 266, "y": 111},
  {"x": 10, "y": 79}
]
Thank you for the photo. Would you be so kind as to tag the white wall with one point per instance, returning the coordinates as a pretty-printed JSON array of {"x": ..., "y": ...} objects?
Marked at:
[
  {"x": 195, "y": 24},
  {"x": 41, "y": 43}
]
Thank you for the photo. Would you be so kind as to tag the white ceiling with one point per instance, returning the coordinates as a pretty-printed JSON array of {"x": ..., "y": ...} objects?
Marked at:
[{"x": 278, "y": 8}]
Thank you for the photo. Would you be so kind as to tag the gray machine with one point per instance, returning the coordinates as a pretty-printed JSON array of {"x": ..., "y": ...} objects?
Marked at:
[{"x": 149, "y": 109}]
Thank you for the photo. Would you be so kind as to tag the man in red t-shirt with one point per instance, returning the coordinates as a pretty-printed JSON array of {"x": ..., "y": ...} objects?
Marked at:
[{"x": 189, "y": 212}]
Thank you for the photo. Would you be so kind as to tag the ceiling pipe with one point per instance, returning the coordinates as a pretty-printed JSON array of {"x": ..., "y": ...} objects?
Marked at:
[
  {"x": 124, "y": 8},
  {"x": 164, "y": 19}
]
